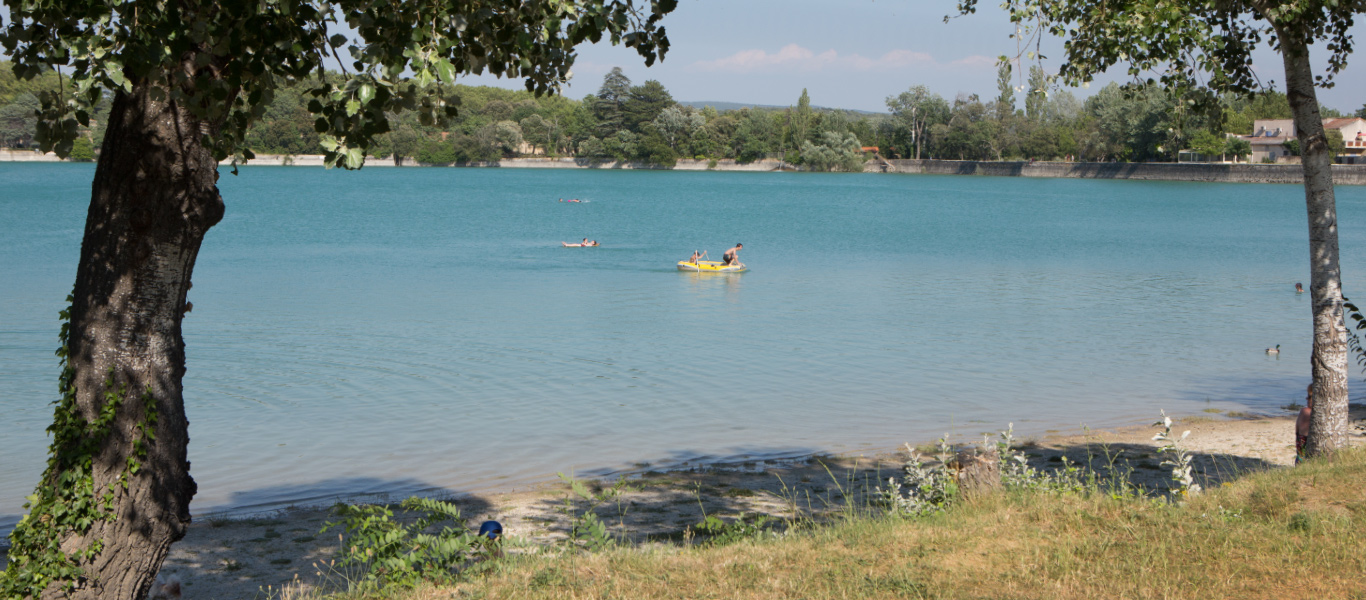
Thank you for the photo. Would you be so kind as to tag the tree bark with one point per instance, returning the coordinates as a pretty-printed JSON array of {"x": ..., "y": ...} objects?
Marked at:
[
  {"x": 153, "y": 198},
  {"x": 1328, "y": 426}
]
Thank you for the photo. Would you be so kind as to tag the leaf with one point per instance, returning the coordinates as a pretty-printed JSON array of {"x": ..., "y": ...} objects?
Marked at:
[
  {"x": 355, "y": 157},
  {"x": 445, "y": 70},
  {"x": 337, "y": 40},
  {"x": 366, "y": 93},
  {"x": 580, "y": 489},
  {"x": 352, "y": 107}
]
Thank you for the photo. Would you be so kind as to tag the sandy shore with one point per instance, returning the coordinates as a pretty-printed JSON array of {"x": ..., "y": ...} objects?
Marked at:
[{"x": 235, "y": 558}]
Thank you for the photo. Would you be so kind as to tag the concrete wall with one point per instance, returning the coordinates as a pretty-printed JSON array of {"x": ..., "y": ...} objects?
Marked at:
[
  {"x": 1235, "y": 173},
  {"x": 7, "y": 155},
  {"x": 316, "y": 160},
  {"x": 683, "y": 165}
]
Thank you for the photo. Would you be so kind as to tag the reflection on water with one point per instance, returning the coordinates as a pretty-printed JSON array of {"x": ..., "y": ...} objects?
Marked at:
[
  {"x": 706, "y": 286},
  {"x": 425, "y": 327}
]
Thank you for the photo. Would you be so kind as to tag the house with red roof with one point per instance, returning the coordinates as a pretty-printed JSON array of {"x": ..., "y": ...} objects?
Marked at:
[{"x": 1269, "y": 136}]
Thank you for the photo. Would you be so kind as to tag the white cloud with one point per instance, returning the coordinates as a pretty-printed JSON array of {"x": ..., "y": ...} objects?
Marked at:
[
  {"x": 794, "y": 57},
  {"x": 975, "y": 61}
]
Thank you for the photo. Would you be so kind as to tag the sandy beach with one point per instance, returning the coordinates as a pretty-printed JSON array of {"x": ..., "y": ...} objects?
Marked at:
[{"x": 249, "y": 557}]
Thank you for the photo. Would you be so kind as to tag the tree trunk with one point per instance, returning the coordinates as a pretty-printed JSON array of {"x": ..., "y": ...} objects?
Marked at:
[
  {"x": 1328, "y": 427},
  {"x": 153, "y": 198}
]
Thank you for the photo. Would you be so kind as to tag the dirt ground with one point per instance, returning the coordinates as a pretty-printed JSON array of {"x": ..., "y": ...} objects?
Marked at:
[{"x": 253, "y": 557}]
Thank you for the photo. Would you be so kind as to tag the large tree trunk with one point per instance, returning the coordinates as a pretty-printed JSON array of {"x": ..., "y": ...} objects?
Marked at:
[
  {"x": 153, "y": 198},
  {"x": 1328, "y": 428}
]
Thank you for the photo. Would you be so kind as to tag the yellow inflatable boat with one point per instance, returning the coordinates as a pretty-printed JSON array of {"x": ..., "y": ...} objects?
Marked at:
[{"x": 710, "y": 266}]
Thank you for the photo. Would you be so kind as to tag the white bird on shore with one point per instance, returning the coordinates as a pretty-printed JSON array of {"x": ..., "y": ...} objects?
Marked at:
[{"x": 1276, "y": 350}]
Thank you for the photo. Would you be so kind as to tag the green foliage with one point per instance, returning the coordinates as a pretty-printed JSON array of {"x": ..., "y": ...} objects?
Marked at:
[
  {"x": 401, "y": 554},
  {"x": 587, "y": 529},
  {"x": 1178, "y": 458},
  {"x": 224, "y": 63},
  {"x": 1355, "y": 322},
  {"x": 436, "y": 152},
  {"x": 82, "y": 150},
  {"x": 1237, "y": 147},
  {"x": 1335, "y": 142},
  {"x": 835, "y": 153},
  {"x": 1005, "y": 90},
  {"x": 1208, "y": 144},
  {"x": 1016, "y": 474},
  {"x": 913, "y": 112},
  {"x": 19, "y": 120},
  {"x": 720, "y": 532},
  {"x": 923, "y": 489},
  {"x": 1204, "y": 44},
  {"x": 67, "y": 501}
]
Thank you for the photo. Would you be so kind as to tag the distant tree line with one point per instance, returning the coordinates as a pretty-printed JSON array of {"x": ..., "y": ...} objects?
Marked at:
[{"x": 628, "y": 122}]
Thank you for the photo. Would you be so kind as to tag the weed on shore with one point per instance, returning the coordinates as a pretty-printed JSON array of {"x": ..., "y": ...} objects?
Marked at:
[{"x": 1069, "y": 532}]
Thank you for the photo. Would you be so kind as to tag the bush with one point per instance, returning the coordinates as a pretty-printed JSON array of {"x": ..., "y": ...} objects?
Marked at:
[
  {"x": 471, "y": 149},
  {"x": 393, "y": 553},
  {"x": 436, "y": 152},
  {"x": 82, "y": 150},
  {"x": 835, "y": 153}
]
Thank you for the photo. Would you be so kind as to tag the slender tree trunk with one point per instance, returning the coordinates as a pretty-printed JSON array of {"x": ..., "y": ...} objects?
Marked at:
[
  {"x": 153, "y": 198},
  {"x": 1328, "y": 428}
]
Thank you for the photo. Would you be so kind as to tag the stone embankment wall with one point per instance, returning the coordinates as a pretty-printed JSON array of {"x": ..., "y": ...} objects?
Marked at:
[
  {"x": 683, "y": 165},
  {"x": 1232, "y": 173},
  {"x": 316, "y": 160},
  {"x": 8, "y": 155}
]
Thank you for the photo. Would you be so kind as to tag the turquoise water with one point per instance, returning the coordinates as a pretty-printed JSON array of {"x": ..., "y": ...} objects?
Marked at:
[{"x": 408, "y": 330}]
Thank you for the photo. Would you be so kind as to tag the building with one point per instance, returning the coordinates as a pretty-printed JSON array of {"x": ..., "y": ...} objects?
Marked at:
[{"x": 1269, "y": 136}]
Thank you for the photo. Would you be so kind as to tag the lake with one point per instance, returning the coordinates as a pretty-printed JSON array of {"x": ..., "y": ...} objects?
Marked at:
[{"x": 397, "y": 331}]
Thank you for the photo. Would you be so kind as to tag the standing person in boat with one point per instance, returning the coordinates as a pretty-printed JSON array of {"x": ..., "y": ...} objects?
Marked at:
[
  {"x": 730, "y": 258},
  {"x": 696, "y": 256}
]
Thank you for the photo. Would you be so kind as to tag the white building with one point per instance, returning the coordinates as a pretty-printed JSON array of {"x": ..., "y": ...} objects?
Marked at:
[{"x": 1269, "y": 136}]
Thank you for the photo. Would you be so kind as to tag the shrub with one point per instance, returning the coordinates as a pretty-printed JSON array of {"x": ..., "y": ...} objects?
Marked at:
[
  {"x": 436, "y": 152},
  {"x": 393, "y": 553},
  {"x": 82, "y": 150}
]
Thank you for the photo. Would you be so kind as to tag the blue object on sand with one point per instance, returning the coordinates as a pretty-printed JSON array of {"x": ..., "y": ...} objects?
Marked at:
[{"x": 490, "y": 530}]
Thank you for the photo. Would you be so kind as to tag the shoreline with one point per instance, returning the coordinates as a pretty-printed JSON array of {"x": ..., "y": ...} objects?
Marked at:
[
  {"x": 1280, "y": 173},
  {"x": 228, "y": 555}
]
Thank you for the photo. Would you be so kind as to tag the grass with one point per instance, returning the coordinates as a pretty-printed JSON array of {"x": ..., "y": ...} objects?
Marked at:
[{"x": 1285, "y": 533}]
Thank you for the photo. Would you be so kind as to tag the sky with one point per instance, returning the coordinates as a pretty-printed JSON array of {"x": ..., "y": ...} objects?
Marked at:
[{"x": 853, "y": 54}]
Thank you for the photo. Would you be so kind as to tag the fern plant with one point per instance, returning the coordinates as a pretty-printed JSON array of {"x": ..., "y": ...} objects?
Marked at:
[{"x": 403, "y": 554}]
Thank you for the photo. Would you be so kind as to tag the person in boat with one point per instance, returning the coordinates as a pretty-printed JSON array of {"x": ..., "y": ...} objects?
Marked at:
[
  {"x": 730, "y": 258},
  {"x": 697, "y": 255}
]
